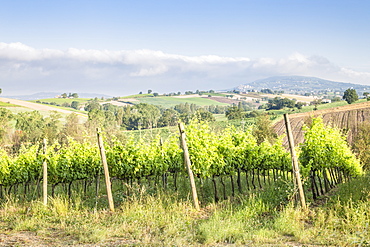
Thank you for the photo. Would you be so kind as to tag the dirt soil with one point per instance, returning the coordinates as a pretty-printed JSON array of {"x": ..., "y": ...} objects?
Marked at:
[
  {"x": 33, "y": 240},
  {"x": 224, "y": 100}
]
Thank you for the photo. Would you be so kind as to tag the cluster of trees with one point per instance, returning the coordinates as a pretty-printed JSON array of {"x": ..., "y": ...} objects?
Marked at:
[
  {"x": 179, "y": 93},
  {"x": 269, "y": 91},
  {"x": 279, "y": 103},
  {"x": 351, "y": 96},
  {"x": 70, "y": 95},
  {"x": 32, "y": 127},
  {"x": 146, "y": 116},
  {"x": 73, "y": 104},
  {"x": 243, "y": 110},
  {"x": 199, "y": 92}
]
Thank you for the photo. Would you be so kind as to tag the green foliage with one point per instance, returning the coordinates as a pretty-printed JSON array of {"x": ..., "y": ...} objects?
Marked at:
[
  {"x": 263, "y": 130},
  {"x": 299, "y": 105},
  {"x": 5, "y": 162},
  {"x": 30, "y": 125},
  {"x": 326, "y": 147},
  {"x": 350, "y": 95},
  {"x": 260, "y": 217},
  {"x": 75, "y": 104},
  {"x": 74, "y": 162},
  {"x": 169, "y": 117},
  {"x": 203, "y": 115},
  {"x": 202, "y": 143},
  {"x": 267, "y": 90},
  {"x": 72, "y": 128},
  {"x": 361, "y": 144},
  {"x": 52, "y": 125},
  {"x": 234, "y": 112},
  {"x": 278, "y": 103},
  {"x": 93, "y": 105},
  {"x": 211, "y": 153},
  {"x": 5, "y": 117}
]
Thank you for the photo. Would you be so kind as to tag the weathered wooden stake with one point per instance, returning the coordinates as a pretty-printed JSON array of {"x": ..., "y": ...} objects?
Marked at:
[
  {"x": 188, "y": 165},
  {"x": 296, "y": 172},
  {"x": 45, "y": 175},
  {"x": 106, "y": 171}
]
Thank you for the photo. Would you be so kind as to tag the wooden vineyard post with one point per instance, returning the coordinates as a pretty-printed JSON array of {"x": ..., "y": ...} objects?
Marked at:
[
  {"x": 106, "y": 171},
  {"x": 188, "y": 166},
  {"x": 45, "y": 175},
  {"x": 296, "y": 173}
]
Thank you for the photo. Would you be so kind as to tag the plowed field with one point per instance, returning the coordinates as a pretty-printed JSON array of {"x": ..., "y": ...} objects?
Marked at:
[{"x": 347, "y": 118}]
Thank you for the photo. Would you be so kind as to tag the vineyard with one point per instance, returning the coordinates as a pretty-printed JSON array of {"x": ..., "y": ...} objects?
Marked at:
[{"x": 229, "y": 162}]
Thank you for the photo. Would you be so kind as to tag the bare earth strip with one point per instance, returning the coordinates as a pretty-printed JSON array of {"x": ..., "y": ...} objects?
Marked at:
[{"x": 38, "y": 107}]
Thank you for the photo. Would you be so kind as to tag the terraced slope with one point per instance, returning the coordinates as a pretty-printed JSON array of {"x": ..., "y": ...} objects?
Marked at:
[{"x": 347, "y": 118}]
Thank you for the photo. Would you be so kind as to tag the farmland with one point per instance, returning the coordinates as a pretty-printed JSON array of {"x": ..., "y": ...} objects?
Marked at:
[
  {"x": 151, "y": 195},
  {"x": 245, "y": 188},
  {"x": 172, "y": 101}
]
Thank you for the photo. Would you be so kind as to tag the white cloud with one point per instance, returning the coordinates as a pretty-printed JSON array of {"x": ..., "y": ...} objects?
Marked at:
[
  {"x": 151, "y": 71},
  {"x": 111, "y": 71}
]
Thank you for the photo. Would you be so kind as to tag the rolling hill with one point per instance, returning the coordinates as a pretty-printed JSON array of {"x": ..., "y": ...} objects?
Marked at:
[
  {"x": 39, "y": 107},
  {"x": 171, "y": 101},
  {"x": 301, "y": 85}
]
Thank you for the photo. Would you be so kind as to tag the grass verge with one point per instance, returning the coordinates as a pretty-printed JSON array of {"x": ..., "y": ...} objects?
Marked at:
[{"x": 162, "y": 219}]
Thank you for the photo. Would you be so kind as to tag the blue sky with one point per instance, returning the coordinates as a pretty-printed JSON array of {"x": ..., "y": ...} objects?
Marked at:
[{"x": 123, "y": 47}]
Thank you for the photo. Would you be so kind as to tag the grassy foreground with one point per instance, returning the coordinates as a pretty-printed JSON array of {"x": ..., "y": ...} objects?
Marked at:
[{"x": 256, "y": 219}]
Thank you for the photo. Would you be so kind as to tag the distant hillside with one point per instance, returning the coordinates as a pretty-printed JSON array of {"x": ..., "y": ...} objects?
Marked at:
[
  {"x": 47, "y": 95},
  {"x": 301, "y": 85}
]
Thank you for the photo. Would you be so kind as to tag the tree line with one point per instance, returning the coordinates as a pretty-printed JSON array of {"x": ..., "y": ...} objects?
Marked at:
[
  {"x": 31, "y": 127},
  {"x": 147, "y": 116}
]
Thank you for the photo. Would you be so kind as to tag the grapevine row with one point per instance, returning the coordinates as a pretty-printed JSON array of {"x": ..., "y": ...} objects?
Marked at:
[{"x": 225, "y": 154}]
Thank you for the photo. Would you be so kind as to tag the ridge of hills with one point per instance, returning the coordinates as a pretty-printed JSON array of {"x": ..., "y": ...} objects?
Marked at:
[{"x": 301, "y": 85}]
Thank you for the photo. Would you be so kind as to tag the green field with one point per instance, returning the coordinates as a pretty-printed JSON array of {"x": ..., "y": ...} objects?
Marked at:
[
  {"x": 220, "y": 117},
  {"x": 215, "y": 94},
  {"x": 4, "y": 104},
  {"x": 137, "y": 96},
  {"x": 168, "y": 102}
]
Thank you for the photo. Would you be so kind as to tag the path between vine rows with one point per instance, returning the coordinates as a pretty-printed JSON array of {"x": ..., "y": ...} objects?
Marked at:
[{"x": 25, "y": 238}]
